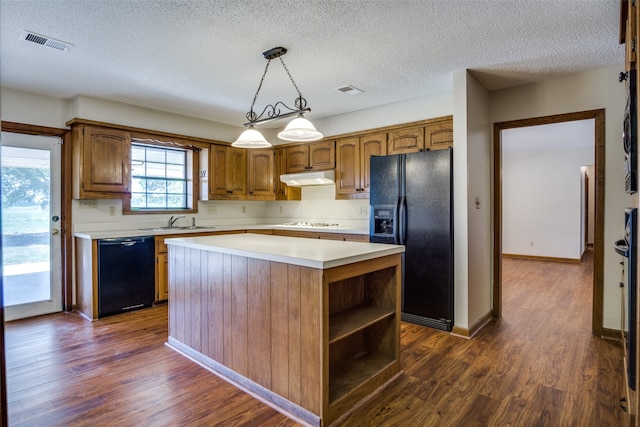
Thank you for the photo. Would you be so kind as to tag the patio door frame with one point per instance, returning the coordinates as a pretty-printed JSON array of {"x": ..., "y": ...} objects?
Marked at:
[{"x": 65, "y": 205}]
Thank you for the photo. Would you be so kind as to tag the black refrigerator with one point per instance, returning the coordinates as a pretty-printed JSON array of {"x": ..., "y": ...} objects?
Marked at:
[{"x": 411, "y": 205}]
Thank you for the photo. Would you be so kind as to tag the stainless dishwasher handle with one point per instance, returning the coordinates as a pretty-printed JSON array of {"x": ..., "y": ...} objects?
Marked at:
[{"x": 127, "y": 243}]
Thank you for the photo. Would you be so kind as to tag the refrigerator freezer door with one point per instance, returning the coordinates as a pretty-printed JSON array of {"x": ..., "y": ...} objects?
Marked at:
[
  {"x": 385, "y": 195},
  {"x": 385, "y": 182},
  {"x": 428, "y": 285}
]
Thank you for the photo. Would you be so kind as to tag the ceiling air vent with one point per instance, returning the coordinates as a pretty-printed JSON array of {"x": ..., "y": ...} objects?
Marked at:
[
  {"x": 45, "y": 41},
  {"x": 351, "y": 90}
]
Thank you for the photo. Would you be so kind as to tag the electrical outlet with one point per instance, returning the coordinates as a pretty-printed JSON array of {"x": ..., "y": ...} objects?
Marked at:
[
  {"x": 212, "y": 209},
  {"x": 87, "y": 204},
  {"x": 530, "y": 243},
  {"x": 112, "y": 211},
  {"x": 363, "y": 210},
  {"x": 244, "y": 209},
  {"x": 280, "y": 209}
]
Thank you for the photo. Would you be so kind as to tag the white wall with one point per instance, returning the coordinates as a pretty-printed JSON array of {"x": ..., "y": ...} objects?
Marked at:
[
  {"x": 542, "y": 202},
  {"x": 402, "y": 112},
  {"x": 29, "y": 108},
  {"x": 587, "y": 91},
  {"x": 472, "y": 155}
]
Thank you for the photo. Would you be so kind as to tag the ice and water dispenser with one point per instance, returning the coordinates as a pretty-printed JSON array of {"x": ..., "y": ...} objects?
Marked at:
[{"x": 383, "y": 224}]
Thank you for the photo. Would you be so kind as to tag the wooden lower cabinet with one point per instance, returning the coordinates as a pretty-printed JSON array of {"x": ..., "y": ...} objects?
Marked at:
[
  {"x": 349, "y": 237},
  {"x": 162, "y": 265},
  {"x": 162, "y": 279}
]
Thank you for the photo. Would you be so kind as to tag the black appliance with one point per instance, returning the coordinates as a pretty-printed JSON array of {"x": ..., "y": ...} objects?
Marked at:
[
  {"x": 630, "y": 135},
  {"x": 126, "y": 274},
  {"x": 411, "y": 205},
  {"x": 628, "y": 247}
]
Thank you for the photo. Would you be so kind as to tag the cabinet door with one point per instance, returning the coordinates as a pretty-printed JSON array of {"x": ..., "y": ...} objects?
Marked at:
[
  {"x": 322, "y": 155},
  {"x": 237, "y": 172},
  {"x": 407, "y": 140},
  {"x": 370, "y": 145},
  {"x": 439, "y": 136},
  {"x": 106, "y": 160},
  {"x": 261, "y": 168},
  {"x": 283, "y": 191},
  {"x": 162, "y": 277},
  {"x": 347, "y": 167},
  {"x": 227, "y": 172},
  {"x": 218, "y": 170},
  {"x": 297, "y": 158}
]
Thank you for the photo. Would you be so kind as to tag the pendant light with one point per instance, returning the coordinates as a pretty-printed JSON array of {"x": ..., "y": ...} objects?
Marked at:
[
  {"x": 251, "y": 138},
  {"x": 300, "y": 129}
]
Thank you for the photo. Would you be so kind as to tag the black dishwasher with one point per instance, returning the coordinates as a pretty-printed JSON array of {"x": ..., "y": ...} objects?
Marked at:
[{"x": 126, "y": 274}]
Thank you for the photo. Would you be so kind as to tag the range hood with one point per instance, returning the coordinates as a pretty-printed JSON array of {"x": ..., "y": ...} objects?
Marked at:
[{"x": 306, "y": 179}]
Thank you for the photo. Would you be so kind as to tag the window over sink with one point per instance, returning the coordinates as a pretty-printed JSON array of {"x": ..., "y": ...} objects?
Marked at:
[
  {"x": 162, "y": 176},
  {"x": 159, "y": 178}
]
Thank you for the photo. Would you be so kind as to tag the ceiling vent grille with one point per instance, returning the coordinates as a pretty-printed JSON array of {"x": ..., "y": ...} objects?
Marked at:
[
  {"x": 351, "y": 90},
  {"x": 46, "y": 41}
]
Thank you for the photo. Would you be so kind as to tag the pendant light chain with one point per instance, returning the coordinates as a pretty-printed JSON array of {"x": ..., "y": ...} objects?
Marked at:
[
  {"x": 251, "y": 116},
  {"x": 300, "y": 103}
]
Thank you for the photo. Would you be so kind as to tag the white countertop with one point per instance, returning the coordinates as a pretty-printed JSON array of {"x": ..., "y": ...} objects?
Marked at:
[
  {"x": 114, "y": 234},
  {"x": 314, "y": 253}
]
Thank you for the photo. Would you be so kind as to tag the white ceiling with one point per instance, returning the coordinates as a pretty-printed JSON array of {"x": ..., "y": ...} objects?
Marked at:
[{"x": 204, "y": 58}]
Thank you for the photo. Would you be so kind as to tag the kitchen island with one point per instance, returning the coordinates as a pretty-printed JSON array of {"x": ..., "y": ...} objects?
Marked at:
[{"x": 310, "y": 327}]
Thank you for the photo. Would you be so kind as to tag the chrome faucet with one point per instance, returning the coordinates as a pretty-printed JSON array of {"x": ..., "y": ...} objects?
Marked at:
[{"x": 172, "y": 220}]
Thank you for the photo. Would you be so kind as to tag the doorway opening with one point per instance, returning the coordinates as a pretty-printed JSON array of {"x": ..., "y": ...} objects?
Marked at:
[{"x": 598, "y": 231}]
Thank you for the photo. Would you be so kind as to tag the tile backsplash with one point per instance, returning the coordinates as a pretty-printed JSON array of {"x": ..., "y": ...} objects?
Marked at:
[{"x": 318, "y": 204}]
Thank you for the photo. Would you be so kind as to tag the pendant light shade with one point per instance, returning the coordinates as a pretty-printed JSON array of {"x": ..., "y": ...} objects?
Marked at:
[
  {"x": 251, "y": 138},
  {"x": 300, "y": 129}
]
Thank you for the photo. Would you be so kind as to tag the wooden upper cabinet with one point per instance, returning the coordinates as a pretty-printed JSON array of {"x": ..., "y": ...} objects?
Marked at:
[
  {"x": 283, "y": 191},
  {"x": 101, "y": 162},
  {"x": 439, "y": 136},
  {"x": 370, "y": 145},
  {"x": 347, "y": 167},
  {"x": 297, "y": 158},
  {"x": 408, "y": 140},
  {"x": 352, "y": 164},
  {"x": 314, "y": 156},
  {"x": 227, "y": 172},
  {"x": 322, "y": 155},
  {"x": 261, "y": 180}
]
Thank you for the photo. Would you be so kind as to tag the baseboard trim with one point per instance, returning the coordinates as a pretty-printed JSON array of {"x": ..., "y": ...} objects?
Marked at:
[
  {"x": 543, "y": 258},
  {"x": 611, "y": 334},
  {"x": 266, "y": 396},
  {"x": 475, "y": 328}
]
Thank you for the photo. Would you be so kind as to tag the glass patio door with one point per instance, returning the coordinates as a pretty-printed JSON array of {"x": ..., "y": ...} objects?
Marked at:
[{"x": 31, "y": 225}]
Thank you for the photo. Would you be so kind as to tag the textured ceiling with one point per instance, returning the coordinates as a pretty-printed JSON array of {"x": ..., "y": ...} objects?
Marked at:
[{"x": 204, "y": 58}]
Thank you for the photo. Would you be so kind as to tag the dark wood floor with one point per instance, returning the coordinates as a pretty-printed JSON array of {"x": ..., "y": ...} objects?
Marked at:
[{"x": 537, "y": 366}]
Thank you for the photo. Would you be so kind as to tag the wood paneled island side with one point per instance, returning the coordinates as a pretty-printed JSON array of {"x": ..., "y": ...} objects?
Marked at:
[{"x": 311, "y": 327}]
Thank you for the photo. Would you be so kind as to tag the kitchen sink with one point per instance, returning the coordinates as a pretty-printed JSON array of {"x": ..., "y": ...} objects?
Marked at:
[{"x": 165, "y": 228}]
